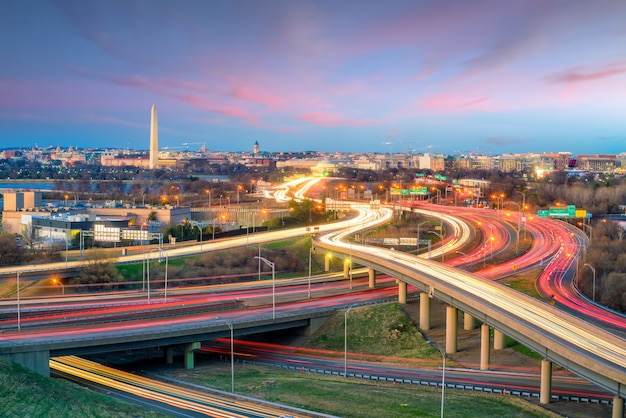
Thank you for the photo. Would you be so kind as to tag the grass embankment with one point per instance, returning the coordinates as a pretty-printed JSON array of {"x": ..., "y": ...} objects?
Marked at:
[
  {"x": 28, "y": 394},
  {"x": 382, "y": 332}
]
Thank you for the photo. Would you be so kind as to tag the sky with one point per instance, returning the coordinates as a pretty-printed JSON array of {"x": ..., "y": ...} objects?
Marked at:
[{"x": 442, "y": 76}]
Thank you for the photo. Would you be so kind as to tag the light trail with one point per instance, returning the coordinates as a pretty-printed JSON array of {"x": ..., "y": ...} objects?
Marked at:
[{"x": 208, "y": 403}]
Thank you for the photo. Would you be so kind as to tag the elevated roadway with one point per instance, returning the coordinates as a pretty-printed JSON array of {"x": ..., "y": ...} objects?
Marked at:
[{"x": 559, "y": 337}]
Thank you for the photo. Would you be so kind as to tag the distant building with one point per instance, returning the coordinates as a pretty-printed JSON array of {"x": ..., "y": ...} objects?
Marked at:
[{"x": 596, "y": 162}]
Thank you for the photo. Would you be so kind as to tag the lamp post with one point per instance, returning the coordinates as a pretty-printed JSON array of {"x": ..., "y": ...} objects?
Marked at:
[
  {"x": 269, "y": 263},
  {"x": 199, "y": 229},
  {"x": 345, "y": 342},
  {"x": 66, "y": 248},
  {"x": 441, "y": 239},
  {"x": 165, "y": 288},
  {"x": 418, "y": 233},
  {"x": 593, "y": 292},
  {"x": 19, "y": 318},
  {"x": 208, "y": 192},
  {"x": 443, "y": 372},
  {"x": 310, "y": 255},
  {"x": 232, "y": 359},
  {"x": 59, "y": 282}
]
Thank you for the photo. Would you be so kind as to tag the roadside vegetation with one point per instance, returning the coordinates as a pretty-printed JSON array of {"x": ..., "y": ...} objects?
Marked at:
[
  {"x": 378, "y": 333},
  {"x": 25, "y": 393}
]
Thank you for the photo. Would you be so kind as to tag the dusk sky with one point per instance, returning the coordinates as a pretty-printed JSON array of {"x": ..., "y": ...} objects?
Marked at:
[{"x": 441, "y": 76}]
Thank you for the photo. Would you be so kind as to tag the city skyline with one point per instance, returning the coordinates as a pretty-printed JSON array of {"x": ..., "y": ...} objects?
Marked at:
[{"x": 484, "y": 77}]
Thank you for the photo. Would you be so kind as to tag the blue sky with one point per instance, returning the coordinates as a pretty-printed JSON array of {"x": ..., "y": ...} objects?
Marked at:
[{"x": 445, "y": 76}]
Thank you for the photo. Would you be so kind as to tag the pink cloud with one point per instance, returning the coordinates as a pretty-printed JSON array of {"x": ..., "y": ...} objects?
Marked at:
[
  {"x": 454, "y": 103},
  {"x": 577, "y": 76},
  {"x": 330, "y": 119},
  {"x": 210, "y": 105},
  {"x": 254, "y": 95}
]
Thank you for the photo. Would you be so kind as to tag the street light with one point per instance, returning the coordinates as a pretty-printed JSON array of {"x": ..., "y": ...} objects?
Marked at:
[
  {"x": 269, "y": 263},
  {"x": 440, "y": 235},
  {"x": 443, "y": 372},
  {"x": 19, "y": 319},
  {"x": 208, "y": 192},
  {"x": 165, "y": 289},
  {"x": 593, "y": 292},
  {"x": 310, "y": 255},
  {"x": 418, "y": 233},
  {"x": 59, "y": 282},
  {"x": 345, "y": 342},
  {"x": 232, "y": 359}
]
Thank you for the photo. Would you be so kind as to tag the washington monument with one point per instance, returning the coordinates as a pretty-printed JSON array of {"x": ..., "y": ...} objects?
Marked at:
[{"x": 154, "y": 138}]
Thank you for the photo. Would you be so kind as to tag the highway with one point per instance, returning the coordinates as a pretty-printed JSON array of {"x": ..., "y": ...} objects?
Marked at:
[
  {"x": 398, "y": 369},
  {"x": 574, "y": 344},
  {"x": 202, "y": 402},
  {"x": 584, "y": 349}
]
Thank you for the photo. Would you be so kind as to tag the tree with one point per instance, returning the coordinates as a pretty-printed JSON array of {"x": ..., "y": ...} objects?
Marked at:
[{"x": 98, "y": 270}]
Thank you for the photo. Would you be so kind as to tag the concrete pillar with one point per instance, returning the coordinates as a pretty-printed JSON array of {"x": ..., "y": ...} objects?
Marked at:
[
  {"x": 402, "y": 293},
  {"x": 326, "y": 262},
  {"x": 469, "y": 323},
  {"x": 424, "y": 311},
  {"x": 485, "y": 345},
  {"x": 189, "y": 348},
  {"x": 372, "y": 277},
  {"x": 169, "y": 355},
  {"x": 451, "y": 329},
  {"x": 545, "y": 391},
  {"x": 346, "y": 268},
  {"x": 498, "y": 340},
  {"x": 618, "y": 407},
  {"x": 314, "y": 325},
  {"x": 38, "y": 361}
]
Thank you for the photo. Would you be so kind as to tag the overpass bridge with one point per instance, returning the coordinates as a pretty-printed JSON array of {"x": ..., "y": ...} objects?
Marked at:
[
  {"x": 34, "y": 349},
  {"x": 584, "y": 349}
]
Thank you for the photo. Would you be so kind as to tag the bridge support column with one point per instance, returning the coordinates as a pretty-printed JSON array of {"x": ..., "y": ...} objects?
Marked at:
[
  {"x": 618, "y": 407},
  {"x": 424, "y": 311},
  {"x": 451, "y": 329},
  {"x": 314, "y": 325},
  {"x": 189, "y": 348},
  {"x": 372, "y": 276},
  {"x": 326, "y": 262},
  {"x": 346, "y": 268},
  {"x": 37, "y": 361},
  {"x": 469, "y": 323},
  {"x": 169, "y": 355},
  {"x": 485, "y": 344},
  {"x": 545, "y": 391},
  {"x": 498, "y": 340},
  {"x": 402, "y": 293}
]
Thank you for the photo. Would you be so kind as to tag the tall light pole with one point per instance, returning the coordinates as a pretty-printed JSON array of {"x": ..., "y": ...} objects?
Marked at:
[
  {"x": 418, "y": 233},
  {"x": 19, "y": 320},
  {"x": 269, "y": 263},
  {"x": 345, "y": 342},
  {"x": 66, "y": 248},
  {"x": 443, "y": 373},
  {"x": 208, "y": 192},
  {"x": 310, "y": 255},
  {"x": 441, "y": 239},
  {"x": 166, "y": 264},
  {"x": 232, "y": 359},
  {"x": 593, "y": 292}
]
